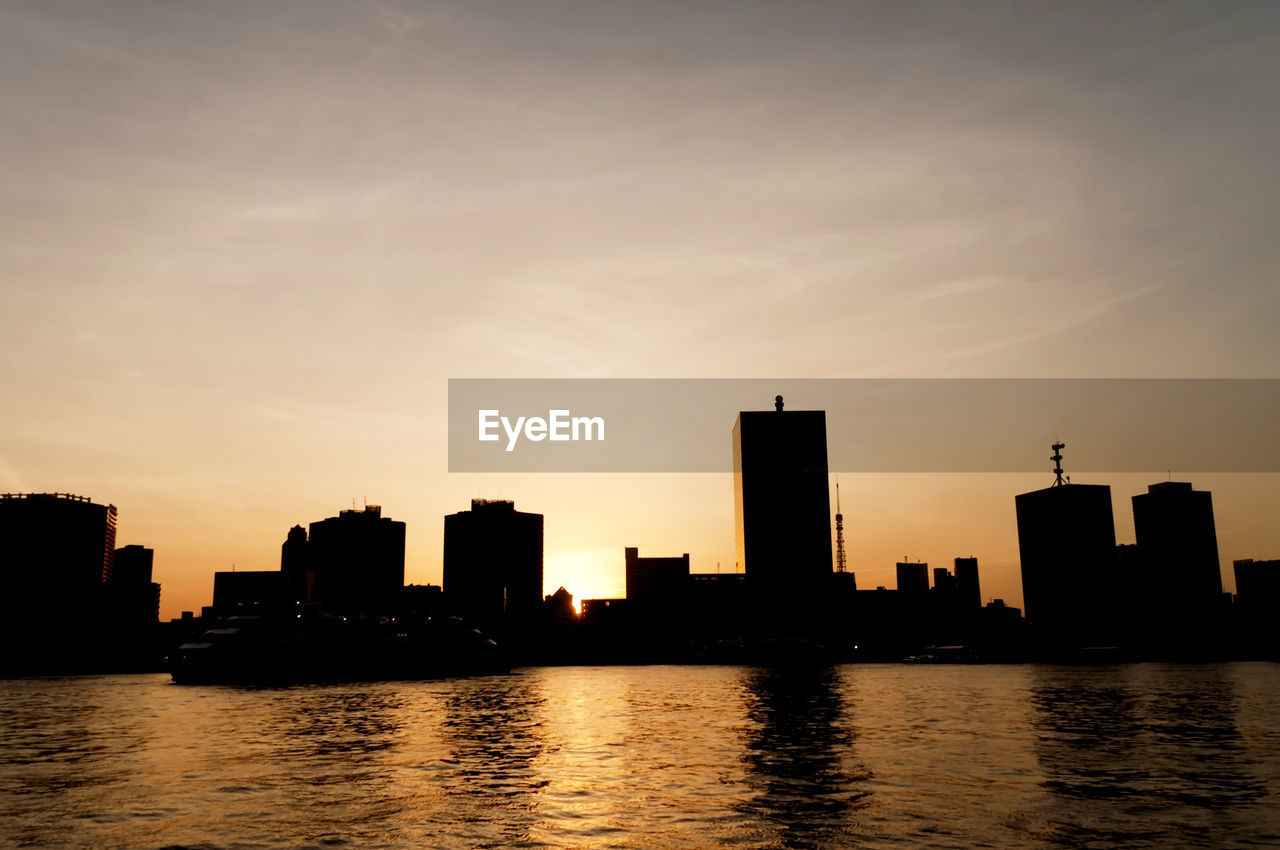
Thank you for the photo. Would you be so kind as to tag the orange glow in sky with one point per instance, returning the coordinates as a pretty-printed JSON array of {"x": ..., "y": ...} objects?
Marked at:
[{"x": 245, "y": 249}]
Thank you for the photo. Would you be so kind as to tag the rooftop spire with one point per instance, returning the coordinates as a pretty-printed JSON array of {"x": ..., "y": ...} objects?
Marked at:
[{"x": 1056, "y": 457}]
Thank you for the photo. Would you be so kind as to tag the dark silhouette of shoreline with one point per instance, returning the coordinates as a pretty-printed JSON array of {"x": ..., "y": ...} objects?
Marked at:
[{"x": 338, "y": 608}]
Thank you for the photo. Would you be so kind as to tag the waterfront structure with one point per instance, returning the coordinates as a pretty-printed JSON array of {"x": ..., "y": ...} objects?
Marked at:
[
  {"x": 493, "y": 561},
  {"x": 782, "y": 503}
]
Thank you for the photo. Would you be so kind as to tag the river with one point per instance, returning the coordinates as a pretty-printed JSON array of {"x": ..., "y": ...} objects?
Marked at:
[{"x": 1140, "y": 755}]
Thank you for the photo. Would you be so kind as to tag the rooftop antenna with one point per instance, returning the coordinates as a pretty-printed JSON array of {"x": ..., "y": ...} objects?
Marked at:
[
  {"x": 840, "y": 556},
  {"x": 1056, "y": 457},
  {"x": 777, "y": 403}
]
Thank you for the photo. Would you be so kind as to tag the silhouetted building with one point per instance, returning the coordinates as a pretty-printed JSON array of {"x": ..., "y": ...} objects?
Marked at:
[
  {"x": 133, "y": 565},
  {"x": 1002, "y": 612},
  {"x": 1179, "y": 549},
  {"x": 594, "y": 610},
  {"x": 656, "y": 581},
  {"x": 1258, "y": 608},
  {"x": 135, "y": 598},
  {"x": 1258, "y": 587},
  {"x": 719, "y": 604},
  {"x": 560, "y": 604},
  {"x": 493, "y": 560},
  {"x": 357, "y": 559},
  {"x": 296, "y": 565},
  {"x": 57, "y": 552},
  {"x": 967, "y": 587},
  {"x": 69, "y": 600},
  {"x": 251, "y": 592},
  {"x": 944, "y": 583},
  {"x": 1066, "y": 542},
  {"x": 783, "y": 504},
  {"x": 55, "y": 541},
  {"x": 913, "y": 578}
]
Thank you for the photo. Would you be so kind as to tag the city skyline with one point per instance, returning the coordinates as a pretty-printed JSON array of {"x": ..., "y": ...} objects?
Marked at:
[
  {"x": 246, "y": 250},
  {"x": 1244, "y": 532},
  {"x": 343, "y": 585},
  {"x": 871, "y": 577}
]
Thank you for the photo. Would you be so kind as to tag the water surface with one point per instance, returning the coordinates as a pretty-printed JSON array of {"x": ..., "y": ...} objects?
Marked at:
[{"x": 874, "y": 755}]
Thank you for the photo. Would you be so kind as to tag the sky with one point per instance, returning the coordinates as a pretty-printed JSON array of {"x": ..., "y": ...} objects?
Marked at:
[{"x": 244, "y": 246}]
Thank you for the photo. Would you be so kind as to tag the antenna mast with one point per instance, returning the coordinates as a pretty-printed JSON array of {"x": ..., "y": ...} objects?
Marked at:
[
  {"x": 840, "y": 556},
  {"x": 1056, "y": 457}
]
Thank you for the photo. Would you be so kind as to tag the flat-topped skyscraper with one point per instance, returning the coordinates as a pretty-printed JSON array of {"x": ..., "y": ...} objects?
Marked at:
[
  {"x": 967, "y": 586},
  {"x": 913, "y": 578},
  {"x": 782, "y": 504},
  {"x": 493, "y": 560},
  {"x": 358, "y": 561},
  {"x": 1175, "y": 530}
]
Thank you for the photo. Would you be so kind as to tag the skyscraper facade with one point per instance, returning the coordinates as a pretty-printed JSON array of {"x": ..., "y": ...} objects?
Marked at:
[
  {"x": 295, "y": 563},
  {"x": 782, "y": 502},
  {"x": 662, "y": 582},
  {"x": 357, "y": 559},
  {"x": 1175, "y": 531},
  {"x": 1066, "y": 544},
  {"x": 57, "y": 554},
  {"x": 967, "y": 586},
  {"x": 913, "y": 577},
  {"x": 493, "y": 561},
  {"x": 56, "y": 539}
]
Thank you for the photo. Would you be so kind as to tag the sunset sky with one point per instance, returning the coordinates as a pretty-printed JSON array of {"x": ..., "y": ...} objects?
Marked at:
[{"x": 243, "y": 247}]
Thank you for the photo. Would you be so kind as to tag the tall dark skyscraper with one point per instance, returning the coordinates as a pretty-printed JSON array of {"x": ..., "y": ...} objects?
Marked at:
[
  {"x": 357, "y": 559},
  {"x": 135, "y": 597},
  {"x": 967, "y": 587},
  {"x": 68, "y": 598},
  {"x": 133, "y": 565},
  {"x": 1067, "y": 543},
  {"x": 1179, "y": 549},
  {"x": 295, "y": 563},
  {"x": 1257, "y": 606},
  {"x": 493, "y": 560},
  {"x": 55, "y": 540},
  {"x": 782, "y": 502},
  {"x": 913, "y": 578}
]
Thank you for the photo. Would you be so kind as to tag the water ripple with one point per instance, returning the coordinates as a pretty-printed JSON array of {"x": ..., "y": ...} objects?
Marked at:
[{"x": 891, "y": 755}]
